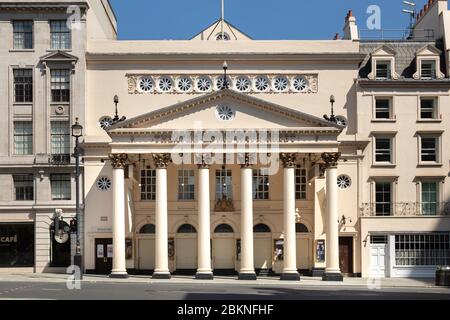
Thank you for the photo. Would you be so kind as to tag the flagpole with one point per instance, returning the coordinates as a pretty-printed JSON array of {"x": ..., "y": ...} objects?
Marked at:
[{"x": 223, "y": 18}]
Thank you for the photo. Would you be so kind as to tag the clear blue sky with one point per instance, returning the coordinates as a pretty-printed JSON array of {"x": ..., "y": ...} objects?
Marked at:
[{"x": 261, "y": 19}]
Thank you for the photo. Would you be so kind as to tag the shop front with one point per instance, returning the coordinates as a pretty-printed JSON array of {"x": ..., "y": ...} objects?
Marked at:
[{"x": 16, "y": 245}]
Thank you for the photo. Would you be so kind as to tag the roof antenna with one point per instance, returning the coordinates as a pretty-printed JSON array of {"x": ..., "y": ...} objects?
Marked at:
[{"x": 412, "y": 11}]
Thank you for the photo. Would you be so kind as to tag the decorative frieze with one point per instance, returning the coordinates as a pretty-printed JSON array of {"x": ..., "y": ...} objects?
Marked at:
[
  {"x": 118, "y": 161},
  {"x": 199, "y": 84},
  {"x": 162, "y": 160}
]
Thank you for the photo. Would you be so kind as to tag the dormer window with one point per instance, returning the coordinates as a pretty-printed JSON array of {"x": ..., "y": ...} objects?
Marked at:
[
  {"x": 428, "y": 69},
  {"x": 428, "y": 62},
  {"x": 383, "y": 69}
]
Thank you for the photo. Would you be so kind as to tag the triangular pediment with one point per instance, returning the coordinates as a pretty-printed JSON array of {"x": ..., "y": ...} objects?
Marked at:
[
  {"x": 59, "y": 56},
  {"x": 428, "y": 50},
  {"x": 384, "y": 51},
  {"x": 214, "y": 30},
  {"x": 204, "y": 112}
]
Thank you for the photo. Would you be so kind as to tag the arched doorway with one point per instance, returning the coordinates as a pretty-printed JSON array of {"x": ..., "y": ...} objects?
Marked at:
[
  {"x": 146, "y": 247},
  {"x": 60, "y": 245},
  {"x": 223, "y": 248},
  {"x": 186, "y": 248},
  {"x": 303, "y": 247},
  {"x": 262, "y": 247}
]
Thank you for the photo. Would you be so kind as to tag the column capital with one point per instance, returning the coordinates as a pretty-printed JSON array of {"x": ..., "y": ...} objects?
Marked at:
[
  {"x": 331, "y": 159},
  {"x": 288, "y": 159},
  {"x": 247, "y": 161},
  {"x": 203, "y": 162},
  {"x": 161, "y": 160},
  {"x": 118, "y": 160}
]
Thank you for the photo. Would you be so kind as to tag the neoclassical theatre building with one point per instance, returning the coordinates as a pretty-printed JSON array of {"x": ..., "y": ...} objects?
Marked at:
[{"x": 221, "y": 154}]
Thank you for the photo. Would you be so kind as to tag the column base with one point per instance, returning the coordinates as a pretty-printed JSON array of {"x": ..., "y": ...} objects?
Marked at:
[
  {"x": 332, "y": 276},
  {"x": 118, "y": 275},
  {"x": 292, "y": 276},
  {"x": 247, "y": 276},
  {"x": 161, "y": 275},
  {"x": 204, "y": 276}
]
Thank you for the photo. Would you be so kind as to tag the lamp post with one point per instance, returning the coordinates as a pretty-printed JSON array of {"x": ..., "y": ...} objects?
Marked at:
[
  {"x": 332, "y": 117},
  {"x": 77, "y": 133},
  {"x": 225, "y": 80}
]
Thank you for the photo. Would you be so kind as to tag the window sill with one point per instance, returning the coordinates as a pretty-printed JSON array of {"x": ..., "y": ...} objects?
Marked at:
[
  {"x": 60, "y": 103},
  {"x": 60, "y": 50},
  {"x": 431, "y": 164},
  {"x": 21, "y": 50},
  {"x": 22, "y": 103},
  {"x": 438, "y": 120},
  {"x": 384, "y": 120},
  {"x": 384, "y": 165}
]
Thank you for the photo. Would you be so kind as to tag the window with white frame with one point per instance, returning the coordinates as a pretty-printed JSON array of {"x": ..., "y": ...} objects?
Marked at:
[
  {"x": 383, "y": 69},
  {"x": 60, "y": 137},
  {"x": 260, "y": 184},
  {"x": 383, "y": 108},
  {"x": 60, "y": 186},
  {"x": 60, "y": 35},
  {"x": 60, "y": 85},
  {"x": 23, "y": 85},
  {"x": 23, "y": 34},
  {"x": 383, "y": 150},
  {"x": 300, "y": 184},
  {"x": 428, "y": 69},
  {"x": 23, "y": 137},
  {"x": 148, "y": 185},
  {"x": 383, "y": 198},
  {"x": 224, "y": 184},
  {"x": 430, "y": 197},
  {"x": 186, "y": 185},
  {"x": 429, "y": 149},
  {"x": 428, "y": 108},
  {"x": 23, "y": 187},
  {"x": 422, "y": 249}
]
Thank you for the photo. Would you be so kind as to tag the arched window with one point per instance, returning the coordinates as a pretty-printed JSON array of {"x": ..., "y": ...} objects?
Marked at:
[
  {"x": 301, "y": 228},
  {"x": 187, "y": 228},
  {"x": 148, "y": 229},
  {"x": 261, "y": 228},
  {"x": 223, "y": 228}
]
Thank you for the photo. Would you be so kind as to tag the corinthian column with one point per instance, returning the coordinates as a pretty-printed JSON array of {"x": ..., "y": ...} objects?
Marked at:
[
  {"x": 290, "y": 240},
  {"x": 118, "y": 162},
  {"x": 332, "y": 270},
  {"x": 161, "y": 233},
  {"x": 204, "y": 270},
  {"x": 247, "y": 270}
]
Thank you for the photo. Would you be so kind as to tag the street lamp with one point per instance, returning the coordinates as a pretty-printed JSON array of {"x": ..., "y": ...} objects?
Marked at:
[
  {"x": 77, "y": 133},
  {"x": 332, "y": 117}
]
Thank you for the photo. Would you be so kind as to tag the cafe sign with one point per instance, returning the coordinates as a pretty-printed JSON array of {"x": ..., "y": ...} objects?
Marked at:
[{"x": 12, "y": 239}]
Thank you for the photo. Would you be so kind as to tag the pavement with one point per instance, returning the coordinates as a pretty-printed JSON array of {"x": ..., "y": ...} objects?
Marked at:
[{"x": 19, "y": 286}]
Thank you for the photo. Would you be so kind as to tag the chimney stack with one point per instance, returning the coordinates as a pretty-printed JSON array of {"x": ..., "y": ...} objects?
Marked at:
[{"x": 350, "y": 28}]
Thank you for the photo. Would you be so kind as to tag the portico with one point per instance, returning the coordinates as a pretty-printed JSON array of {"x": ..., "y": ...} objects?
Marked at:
[{"x": 277, "y": 151}]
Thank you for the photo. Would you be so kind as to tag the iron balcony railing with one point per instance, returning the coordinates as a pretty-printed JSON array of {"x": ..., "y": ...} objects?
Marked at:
[
  {"x": 396, "y": 35},
  {"x": 60, "y": 159},
  {"x": 405, "y": 209}
]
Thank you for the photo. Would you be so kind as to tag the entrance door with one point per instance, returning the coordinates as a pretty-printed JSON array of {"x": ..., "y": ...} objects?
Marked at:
[
  {"x": 263, "y": 253},
  {"x": 346, "y": 255},
  {"x": 186, "y": 251},
  {"x": 303, "y": 254},
  {"x": 146, "y": 254},
  {"x": 378, "y": 260},
  {"x": 103, "y": 256},
  {"x": 223, "y": 249}
]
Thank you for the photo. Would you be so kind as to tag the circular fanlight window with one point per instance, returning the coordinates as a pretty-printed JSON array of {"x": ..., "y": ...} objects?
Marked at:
[
  {"x": 300, "y": 84},
  {"x": 165, "y": 84},
  {"x": 341, "y": 120},
  {"x": 203, "y": 84},
  {"x": 145, "y": 84},
  {"x": 104, "y": 183},
  {"x": 344, "y": 182},
  {"x": 262, "y": 84},
  {"x": 280, "y": 84},
  {"x": 105, "y": 122},
  {"x": 223, "y": 36},
  {"x": 225, "y": 113},
  {"x": 184, "y": 84},
  {"x": 221, "y": 83}
]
